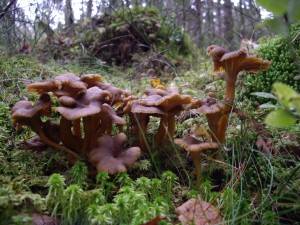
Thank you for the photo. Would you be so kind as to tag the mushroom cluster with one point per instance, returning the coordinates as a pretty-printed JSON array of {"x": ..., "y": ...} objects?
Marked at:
[
  {"x": 158, "y": 101},
  {"x": 227, "y": 65},
  {"x": 86, "y": 120}
]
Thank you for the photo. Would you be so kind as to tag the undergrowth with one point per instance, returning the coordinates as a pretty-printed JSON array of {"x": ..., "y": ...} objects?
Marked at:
[{"x": 248, "y": 187}]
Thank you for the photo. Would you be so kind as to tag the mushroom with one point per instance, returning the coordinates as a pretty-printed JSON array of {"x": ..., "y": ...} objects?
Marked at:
[
  {"x": 24, "y": 113},
  {"x": 108, "y": 117},
  {"x": 171, "y": 104},
  {"x": 140, "y": 116},
  {"x": 62, "y": 85},
  {"x": 198, "y": 212},
  {"x": 232, "y": 63},
  {"x": 195, "y": 147},
  {"x": 86, "y": 106},
  {"x": 110, "y": 156},
  {"x": 216, "y": 115},
  {"x": 96, "y": 80}
]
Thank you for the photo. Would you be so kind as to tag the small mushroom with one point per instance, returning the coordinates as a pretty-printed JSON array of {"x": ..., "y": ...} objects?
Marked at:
[
  {"x": 87, "y": 106},
  {"x": 198, "y": 212},
  {"x": 171, "y": 105},
  {"x": 216, "y": 115},
  {"x": 24, "y": 113},
  {"x": 110, "y": 156},
  {"x": 62, "y": 85},
  {"x": 108, "y": 117},
  {"x": 195, "y": 147},
  {"x": 140, "y": 116}
]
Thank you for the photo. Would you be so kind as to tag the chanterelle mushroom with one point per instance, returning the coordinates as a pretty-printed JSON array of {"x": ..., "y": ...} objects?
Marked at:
[
  {"x": 110, "y": 156},
  {"x": 195, "y": 147},
  {"x": 62, "y": 85},
  {"x": 233, "y": 63},
  {"x": 198, "y": 212}
]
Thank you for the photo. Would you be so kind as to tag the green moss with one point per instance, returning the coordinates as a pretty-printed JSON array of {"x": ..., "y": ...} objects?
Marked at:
[{"x": 284, "y": 55}]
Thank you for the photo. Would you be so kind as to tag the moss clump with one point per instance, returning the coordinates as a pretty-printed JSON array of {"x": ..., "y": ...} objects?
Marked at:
[
  {"x": 284, "y": 54},
  {"x": 116, "y": 38}
]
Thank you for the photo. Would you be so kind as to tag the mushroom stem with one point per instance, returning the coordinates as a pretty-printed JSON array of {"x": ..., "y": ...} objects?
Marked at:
[
  {"x": 171, "y": 126},
  {"x": 37, "y": 126},
  {"x": 142, "y": 124},
  {"x": 197, "y": 163},
  {"x": 90, "y": 125},
  {"x": 230, "y": 89},
  {"x": 67, "y": 138},
  {"x": 76, "y": 128},
  {"x": 162, "y": 130}
]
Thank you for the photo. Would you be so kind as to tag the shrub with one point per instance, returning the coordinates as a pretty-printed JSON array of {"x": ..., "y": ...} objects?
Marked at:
[{"x": 284, "y": 68}]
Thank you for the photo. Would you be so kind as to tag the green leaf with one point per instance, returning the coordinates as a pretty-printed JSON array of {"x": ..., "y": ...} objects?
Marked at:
[
  {"x": 278, "y": 7},
  {"x": 264, "y": 95},
  {"x": 267, "y": 106},
  {"x": 280, "y": 119},
  {"x": 294, "y": 10},
  {"x": 296, "y": 104},
  {"x": 285, "y": 94}
]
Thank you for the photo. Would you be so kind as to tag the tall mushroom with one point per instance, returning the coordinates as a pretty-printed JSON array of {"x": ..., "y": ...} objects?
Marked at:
[
  {"x": 24, "y": 113},
  {"x": 231, "y": 64},
  {"x": 86, "y": 107}
]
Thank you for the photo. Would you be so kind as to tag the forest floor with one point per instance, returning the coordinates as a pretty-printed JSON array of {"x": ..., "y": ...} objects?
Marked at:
[{"x": 257, "y": 182}]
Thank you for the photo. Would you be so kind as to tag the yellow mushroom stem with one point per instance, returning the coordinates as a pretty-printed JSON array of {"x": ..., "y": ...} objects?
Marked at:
[
  {"x": 166, "y": 128},
  {"x": 142, "y": 121},
  {"x": 37, "y": 126},
  {"x": 76, "y": 128},
  {"x": 162, "y": 129},
  {"x": 67, "y": 137},
  {"x": 90, "y": 127},
  {"x": 196, "y": 157}
]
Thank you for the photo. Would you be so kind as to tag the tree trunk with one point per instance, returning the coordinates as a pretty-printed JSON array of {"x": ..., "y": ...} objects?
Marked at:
[
  {"x": 199, "y": 39},
  {"x": 89, "y": 8},
  {"x": 228, "y": 21},
  {"x": 69, "y": 16}
]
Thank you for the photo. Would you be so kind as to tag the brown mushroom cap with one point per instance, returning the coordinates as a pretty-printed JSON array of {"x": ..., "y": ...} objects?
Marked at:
[
  {"x": 210, "y": 106},
  {"x": 24, "y": 110},
  {"x": 192, "y": 144},
  {"x": 63, "y": 85},
  {"x": 87, "y": 104},
  {"x": 108, "y": 110},
  {"x": 110, "y": 156},
  {"x": 136, "y": 108},
  {"x": 235, "y": 61},
  {"x": 216, "y": 52},
  {"x": 91, "y": 79},
  {"x": 198, "y": 212},
  {"x": 166, "y": 103}
]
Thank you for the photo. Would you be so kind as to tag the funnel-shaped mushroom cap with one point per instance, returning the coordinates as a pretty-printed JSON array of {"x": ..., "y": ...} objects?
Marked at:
[
  {"x": 198, "y": 212},
  {"x": 117, "y": 93},
  {"x": 91, "y": 79},
  {"x": 109, "y": 112},
  {"x": 24, "y": 110},
  {"x": 110, "y": 156},
  {"x": 166, "y": 103},
  {"x": 236, "y": 61},
  {"x": 137, "y": 108},
  {"x": 87, "y": 104},
  {"x": 216, "y": 52},
  {"x": 62, "y": 85},
  {"x": 192, "y": 144},
  {"x": 210, "y": 106}
]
